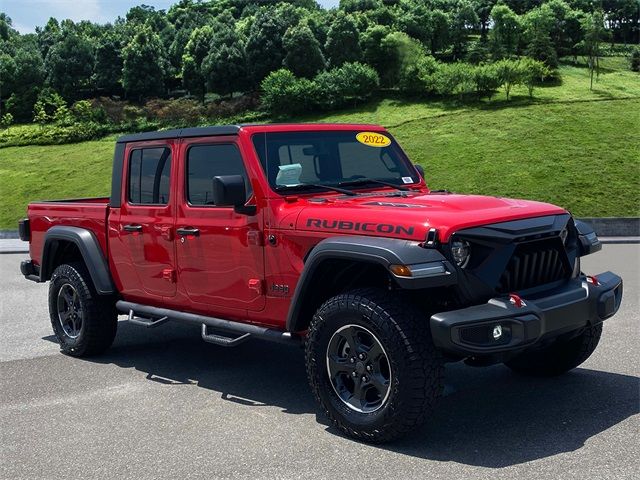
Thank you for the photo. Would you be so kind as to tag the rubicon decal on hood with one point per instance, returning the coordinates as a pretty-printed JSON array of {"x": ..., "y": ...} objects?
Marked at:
[{"x": 359, "y": 226}]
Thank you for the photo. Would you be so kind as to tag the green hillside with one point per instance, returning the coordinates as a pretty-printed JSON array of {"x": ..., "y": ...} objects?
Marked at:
[{"x": 569, "y": 146}]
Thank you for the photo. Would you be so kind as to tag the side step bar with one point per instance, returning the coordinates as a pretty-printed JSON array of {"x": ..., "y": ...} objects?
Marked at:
[
  {"x": 221, "y": 340},
  {"x": 164, "y": 315},
  {"x": 144, "y": 322}
]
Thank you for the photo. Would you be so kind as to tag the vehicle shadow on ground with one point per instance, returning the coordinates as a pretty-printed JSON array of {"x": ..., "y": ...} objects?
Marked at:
[{"x": 488, "y": 417}]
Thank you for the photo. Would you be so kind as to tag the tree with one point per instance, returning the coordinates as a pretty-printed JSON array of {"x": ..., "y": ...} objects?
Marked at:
[
  {"x": 438, "y": 30},
  {"x": 509, "y": 74},
  {"x": 505, "y": 34},
  {"x": 400, "y": 50},
  {"x": 531, "y": 72},
  {"x": 264, "y": 49},
  {"x": 225, "y": 67},
  {"x": 594, "y": 34},
  {"x": 69, "y": 65},
  {"x": 197, "y": 48},
  {"x": 21, "y": 77},
  {"x": 463, "y": 19},
  {"x": 304, "y": 57},
  {"x": 144, "y": 65},
  {"x": 373, "y": 52},
  {"x": 108, "y": 68},
  {"x": 343, "y": 41},
  {"x": 48, "y": 36},
  {"x": 538, "y": 24}
]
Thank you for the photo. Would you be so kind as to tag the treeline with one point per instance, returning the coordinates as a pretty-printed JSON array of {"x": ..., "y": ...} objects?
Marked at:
[{"x": 198, "y": 48}]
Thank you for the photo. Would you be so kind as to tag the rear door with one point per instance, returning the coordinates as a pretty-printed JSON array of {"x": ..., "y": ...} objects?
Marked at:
[
  {"x": 143, "y": 248},
  {"x": 219, "y": 252}
]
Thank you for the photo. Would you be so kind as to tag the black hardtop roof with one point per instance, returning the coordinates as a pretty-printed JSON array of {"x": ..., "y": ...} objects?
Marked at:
[
  {"x": 201, "y": 132},
  {"x": 181, "y": 133}
]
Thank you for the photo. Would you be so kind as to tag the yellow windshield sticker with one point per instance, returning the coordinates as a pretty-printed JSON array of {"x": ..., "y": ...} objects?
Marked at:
[{"x": 373, "y": 139}]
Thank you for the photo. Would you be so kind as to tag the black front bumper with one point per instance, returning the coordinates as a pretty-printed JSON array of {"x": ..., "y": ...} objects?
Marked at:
[{"x": 578, "y": 303}]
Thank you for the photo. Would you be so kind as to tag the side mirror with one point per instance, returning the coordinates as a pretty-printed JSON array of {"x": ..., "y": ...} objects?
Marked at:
[
  {"x": 419, "y": 169},
  {"x": 230, "y": 191}
]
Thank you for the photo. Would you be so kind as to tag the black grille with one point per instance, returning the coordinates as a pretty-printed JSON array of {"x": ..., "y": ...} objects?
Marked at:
[{"x": 534, "y": 264}]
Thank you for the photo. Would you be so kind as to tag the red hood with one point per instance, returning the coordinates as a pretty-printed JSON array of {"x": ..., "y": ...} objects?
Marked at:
[{"x": 411, "y": 216}]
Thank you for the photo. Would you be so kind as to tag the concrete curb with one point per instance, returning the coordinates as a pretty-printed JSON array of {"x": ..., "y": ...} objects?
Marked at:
[{"x": 614, "y": 226}]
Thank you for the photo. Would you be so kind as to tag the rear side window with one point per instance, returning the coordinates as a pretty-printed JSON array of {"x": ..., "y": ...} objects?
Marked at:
[
  {"x": 207, "y": 161},
  {"x": 149, "y": 174}
]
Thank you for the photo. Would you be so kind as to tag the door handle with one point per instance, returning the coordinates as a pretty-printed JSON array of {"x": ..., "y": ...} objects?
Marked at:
[
  {"x": 188, "y": 232},
  {"x": 132, "y": 228}
]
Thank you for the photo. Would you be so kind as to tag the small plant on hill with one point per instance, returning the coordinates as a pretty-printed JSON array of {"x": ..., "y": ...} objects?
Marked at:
[
  {"x": 509, "y": 73},
  {"x": 6, "y": 121},
  {"x": 635, "y": 60}
]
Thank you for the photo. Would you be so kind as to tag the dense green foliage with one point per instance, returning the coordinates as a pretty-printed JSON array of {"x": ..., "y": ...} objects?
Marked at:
[{"x": 216, "y": 48}]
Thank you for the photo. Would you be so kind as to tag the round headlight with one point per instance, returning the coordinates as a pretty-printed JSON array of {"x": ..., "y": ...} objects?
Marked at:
[{"x": 461, "y": 251}]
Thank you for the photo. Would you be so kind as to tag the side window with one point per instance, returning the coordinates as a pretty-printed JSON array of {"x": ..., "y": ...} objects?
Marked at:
[
  {"x": 207, "y": 161},
  {"x": 149, "y": 174}
]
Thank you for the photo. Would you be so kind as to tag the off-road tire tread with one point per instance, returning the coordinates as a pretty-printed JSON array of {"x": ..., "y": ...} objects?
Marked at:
[
  {"x": 407, "y": 331},
  {"x": 560, "y": 357},
  {"x": 100, "y": 320}
]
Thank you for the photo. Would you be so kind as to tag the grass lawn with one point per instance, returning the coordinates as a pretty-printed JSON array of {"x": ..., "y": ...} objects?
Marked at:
[{"x": 568, "y": 145}]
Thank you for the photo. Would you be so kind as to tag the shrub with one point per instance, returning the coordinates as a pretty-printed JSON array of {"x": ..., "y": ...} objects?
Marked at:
[
  {"x": 283, "y": 93},
  {"x": 82, "y": 110},
  {"x": 6, "y": 121},
  {"x": 454, "y": 78},
  {"x": 49, "y": 107},
  {"x": 178, "y": 112},
  {"x": 350, "y": 83},
  {"x": 532, "y": 72},
  {"x": 635, "y": 60},
  {"x": 357, "y": 81},
  {"x": 509, "y": 73},
  {"x": 419, "y": 77},
  {"x": 486, "y": 80}
]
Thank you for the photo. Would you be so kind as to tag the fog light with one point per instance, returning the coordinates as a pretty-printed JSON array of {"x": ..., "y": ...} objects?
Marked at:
[{"x": 497, "y": 332}]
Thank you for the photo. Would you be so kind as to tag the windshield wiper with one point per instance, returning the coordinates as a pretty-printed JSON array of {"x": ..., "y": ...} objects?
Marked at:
[
  {"x": 363, "y": 181},
  {"x": 306, "y": 186}
]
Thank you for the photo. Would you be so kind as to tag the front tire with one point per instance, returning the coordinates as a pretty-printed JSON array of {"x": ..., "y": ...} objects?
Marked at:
[
  {"x": 372, "y": 366},
  {"x": 559, "y": 357},
  {"x": 83, "y": 322}
]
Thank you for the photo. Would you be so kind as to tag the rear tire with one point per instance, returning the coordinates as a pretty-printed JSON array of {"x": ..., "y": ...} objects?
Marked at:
[
  {"x": 385, "y": 384},
  {"x": 559, "y": 357},
  {"x": 83, "y": 322}
]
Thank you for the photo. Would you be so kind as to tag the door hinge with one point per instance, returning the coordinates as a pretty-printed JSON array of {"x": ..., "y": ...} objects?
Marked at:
[{"x": 169, "y": 274}]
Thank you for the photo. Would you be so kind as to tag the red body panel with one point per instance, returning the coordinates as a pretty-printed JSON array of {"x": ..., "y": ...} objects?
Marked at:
[{"x": 230, "y": 270}]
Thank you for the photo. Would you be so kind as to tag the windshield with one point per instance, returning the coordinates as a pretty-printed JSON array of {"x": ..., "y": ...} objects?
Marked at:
[{"x": 348, "y": 159}]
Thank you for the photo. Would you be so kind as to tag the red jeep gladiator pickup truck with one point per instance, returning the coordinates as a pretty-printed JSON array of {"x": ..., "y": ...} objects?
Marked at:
[{"x": 325, "y": 235}]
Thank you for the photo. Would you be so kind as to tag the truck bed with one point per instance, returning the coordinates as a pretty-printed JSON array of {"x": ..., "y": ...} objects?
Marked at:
[{"x": 89, "y": 213}]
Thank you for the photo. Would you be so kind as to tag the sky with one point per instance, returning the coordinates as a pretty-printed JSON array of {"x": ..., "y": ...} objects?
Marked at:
[{"x": 27, "y": 14}]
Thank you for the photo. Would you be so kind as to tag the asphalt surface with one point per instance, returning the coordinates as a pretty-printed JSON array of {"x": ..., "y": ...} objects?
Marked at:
[{"x": 164, "y": 404}]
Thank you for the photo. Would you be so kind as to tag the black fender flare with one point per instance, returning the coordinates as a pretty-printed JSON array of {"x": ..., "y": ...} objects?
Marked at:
[
  {"x": 90, "y": 250},
  {"x": 381, "y": 251}
]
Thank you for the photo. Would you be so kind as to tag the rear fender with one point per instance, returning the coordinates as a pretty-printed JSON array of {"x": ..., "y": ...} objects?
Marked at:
[{"x": 89, "y": 249}]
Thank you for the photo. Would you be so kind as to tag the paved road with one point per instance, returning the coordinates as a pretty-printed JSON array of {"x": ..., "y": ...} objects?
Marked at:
[{"x": 163, "y": 404}]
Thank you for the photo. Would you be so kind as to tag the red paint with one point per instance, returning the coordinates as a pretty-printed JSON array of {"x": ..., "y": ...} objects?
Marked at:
[{"x": 229, "y": 269}]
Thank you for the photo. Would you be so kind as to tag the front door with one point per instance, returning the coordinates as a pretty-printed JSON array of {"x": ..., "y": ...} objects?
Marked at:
[
  {"x": 219, "y": 252},
  {"x": 143, "y": 250}
]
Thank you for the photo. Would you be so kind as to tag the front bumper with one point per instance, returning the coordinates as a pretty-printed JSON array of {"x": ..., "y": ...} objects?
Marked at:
[{"x": 470, "y": 331}]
